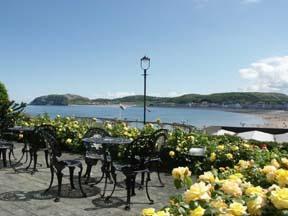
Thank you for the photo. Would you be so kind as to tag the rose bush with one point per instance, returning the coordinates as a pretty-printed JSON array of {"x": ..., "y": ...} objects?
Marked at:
[
  {"x": 221, "y": 193},
  {"x": 68, "y": 129},
  {"x": 221, "y": 151}
]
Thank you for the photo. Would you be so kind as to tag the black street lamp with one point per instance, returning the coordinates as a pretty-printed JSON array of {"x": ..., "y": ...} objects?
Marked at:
[{"x": 145, "y": 65}]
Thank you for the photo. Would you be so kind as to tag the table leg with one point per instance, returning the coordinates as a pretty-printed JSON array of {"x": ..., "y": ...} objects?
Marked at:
[{"x": 4, "y": 157}]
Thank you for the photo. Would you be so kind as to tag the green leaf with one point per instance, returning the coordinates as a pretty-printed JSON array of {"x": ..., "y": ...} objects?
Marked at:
[
  {"x": 188, "y": 181},
  {"x": 177, "y": 183}
]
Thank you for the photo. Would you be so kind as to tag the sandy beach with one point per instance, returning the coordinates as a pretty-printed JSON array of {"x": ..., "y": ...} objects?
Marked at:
[{"x": 272, "y": 118}]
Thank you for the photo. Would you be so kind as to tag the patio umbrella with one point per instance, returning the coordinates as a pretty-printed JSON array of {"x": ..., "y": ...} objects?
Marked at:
[
  {"x": 223, "y": 132},
  {"x": 281, "y": 138},
  {"x": 257, "y": 135}
]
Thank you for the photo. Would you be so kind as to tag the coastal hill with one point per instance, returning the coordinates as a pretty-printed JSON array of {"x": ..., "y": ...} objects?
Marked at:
[
  {"x": 65, "y": 99},
  {"x": 252, "y": 100}
]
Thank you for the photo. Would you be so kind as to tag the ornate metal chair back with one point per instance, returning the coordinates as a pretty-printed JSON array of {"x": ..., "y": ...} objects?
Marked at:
[
  {"x": 51, "y": 141},
  {"x": 159, "y": 140},
  {"x": 139, "y": 150},
  {"x": 48, "y": 128},
  {"x": 38, "y": 138},
  {"x": 94, "y": 132}
]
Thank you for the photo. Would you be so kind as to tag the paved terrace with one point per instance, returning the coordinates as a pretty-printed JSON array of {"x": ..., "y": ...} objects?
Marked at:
[{"x": 21, "y": 194}]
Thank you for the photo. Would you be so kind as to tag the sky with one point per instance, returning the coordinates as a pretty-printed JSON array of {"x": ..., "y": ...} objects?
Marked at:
[{"x": 93, "y": 47}]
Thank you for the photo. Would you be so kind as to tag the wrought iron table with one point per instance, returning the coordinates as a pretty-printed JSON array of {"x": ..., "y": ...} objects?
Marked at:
[
  {"x": 27, "y": 133},
  {"x": 107, "y": 143}
]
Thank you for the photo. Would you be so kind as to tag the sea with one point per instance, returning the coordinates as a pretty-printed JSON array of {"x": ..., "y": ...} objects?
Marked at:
[{"x": 193, "y": 116}]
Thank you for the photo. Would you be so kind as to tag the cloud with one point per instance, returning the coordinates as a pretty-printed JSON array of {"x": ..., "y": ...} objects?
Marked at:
[
  {"x": 269, "y": 74},
  {"x": 175, "y": 94}
]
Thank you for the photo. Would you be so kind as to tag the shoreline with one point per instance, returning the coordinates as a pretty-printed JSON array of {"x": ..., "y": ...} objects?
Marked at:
[{"x": 271, "y": 118}]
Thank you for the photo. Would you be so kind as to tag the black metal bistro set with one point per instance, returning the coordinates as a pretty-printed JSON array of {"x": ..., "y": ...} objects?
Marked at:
[{"x": 140, "y": 157}]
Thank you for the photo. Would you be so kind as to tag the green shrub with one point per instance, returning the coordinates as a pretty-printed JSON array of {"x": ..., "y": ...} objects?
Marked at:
[{"x": 3, "y": 93}]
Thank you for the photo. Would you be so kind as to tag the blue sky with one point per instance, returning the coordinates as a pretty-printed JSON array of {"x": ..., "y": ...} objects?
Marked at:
[{"x": 93, "y": 47}]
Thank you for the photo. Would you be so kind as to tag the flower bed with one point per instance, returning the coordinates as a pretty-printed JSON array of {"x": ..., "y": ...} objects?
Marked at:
[
  {"x": 69, "y": 130},
  {"x": 229, "y": 191},
  {"x": 241, "y": 178},
  {"x": 222, "y": 151}
]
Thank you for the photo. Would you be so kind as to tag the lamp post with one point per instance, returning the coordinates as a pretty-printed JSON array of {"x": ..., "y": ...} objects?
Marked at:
[{"x": 145, "y": 65}]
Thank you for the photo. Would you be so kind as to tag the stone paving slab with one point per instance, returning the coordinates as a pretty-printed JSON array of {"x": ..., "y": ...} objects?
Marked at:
[{"x": 22, "y": 194}]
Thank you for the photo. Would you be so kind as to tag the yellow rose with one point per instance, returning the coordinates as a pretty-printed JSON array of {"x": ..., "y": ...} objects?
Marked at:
[
  {"x": 236, "y": 177},
  {"x": 191, "y": 138},
  {"x": 219, "y": 204},
  {"x": 255, "y": 205},
  {"x": 244, "y": 164},
  {"x": 270, "y": 177},
  {"x": 232, "y": 188},
  {"x": 273, "y": 187},
  {"x": 148, "y": 212},
  {"x": 199, "y": 211},
  {"x": 235, "y": 148},
  {"x": 207, "y": 177},
  {"x": 180, "y": 173},
  {"x": 171, "y": 154},
  {"x": 109, "y": 126},
  {"x": 220, "y": 147},
  {"x": 279, "y": 198},
  {"x": 250, "y": 191},
  {"x": 68, "y": 141},
  {"x": 161, "y": 213},
  {"x": 229, "y": 156},
  {"x": 198, "y": 191},
  {"x": 212, "y": 157},
  {"x": 268, "y": 169},
  {"x": 281, "y": 177},
  {"x": 284, "y": 161},
  {"x": 246, "y": 145},
  {"x": 237, "y": 209},
  {"x": 275, "y": 163}
]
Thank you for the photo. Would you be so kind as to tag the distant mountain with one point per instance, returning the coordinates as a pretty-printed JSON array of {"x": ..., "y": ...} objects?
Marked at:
[
  {"x": 65, "y": 99},
  {"x": 221, "y": 100}
]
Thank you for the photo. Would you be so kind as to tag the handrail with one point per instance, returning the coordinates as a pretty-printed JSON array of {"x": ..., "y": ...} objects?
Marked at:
[{"x": 190, "y": 128}]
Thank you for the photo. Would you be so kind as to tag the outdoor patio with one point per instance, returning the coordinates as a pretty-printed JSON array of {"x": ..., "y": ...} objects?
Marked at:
[{"x": 22, "y": 194}]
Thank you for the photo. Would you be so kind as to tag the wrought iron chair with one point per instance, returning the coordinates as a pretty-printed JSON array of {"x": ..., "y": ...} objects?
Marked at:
[
  {"x": 4, "y": 147},
  {"x": 159, "y": 141},
  {"x": 94, "y": 153},
  {"x": 57, "y": 165},
  {"x": 9, "y": 111},
  {"x": 7, "y": 143},
  {"x": 134, "y": 163},
  {"x": 37, "y": 144}
]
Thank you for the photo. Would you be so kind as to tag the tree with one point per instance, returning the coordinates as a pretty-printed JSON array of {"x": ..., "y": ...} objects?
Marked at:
[
  {"x": 3, "y": 93},
  {"x": 9, "y": 113}
]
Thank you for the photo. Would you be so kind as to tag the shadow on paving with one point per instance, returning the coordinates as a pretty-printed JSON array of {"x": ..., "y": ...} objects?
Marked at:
[
  {"x": 113, "y": 202},
  {"x": 66, "y": 192}
]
